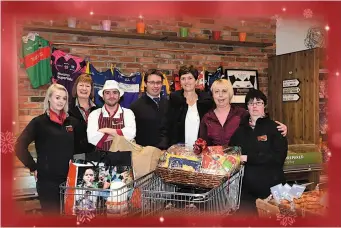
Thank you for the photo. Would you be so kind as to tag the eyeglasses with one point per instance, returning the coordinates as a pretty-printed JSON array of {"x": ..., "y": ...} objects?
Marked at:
[
  {"x": 155, "y": 83},
  {"x": 257, "y": 103}
]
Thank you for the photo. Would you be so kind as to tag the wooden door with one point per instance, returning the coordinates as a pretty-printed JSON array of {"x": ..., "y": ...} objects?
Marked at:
[{"x": 300, "y": 116}]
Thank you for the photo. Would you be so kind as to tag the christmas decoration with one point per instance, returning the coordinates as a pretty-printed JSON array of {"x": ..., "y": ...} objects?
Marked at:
[
  {"x": 278, "y": 19},
  {"x": 84, "y": 216},
  {"x": 314, "y": 38},
  {"x": 199, "y": 146},
  {"x": 286, "y": 216},
  {"x": 308, "y": 13},
  {"x": 8, "y": 141}
]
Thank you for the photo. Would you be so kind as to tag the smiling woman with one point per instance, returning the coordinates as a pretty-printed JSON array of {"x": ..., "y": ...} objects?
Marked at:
[
  {"x": 264, "y": 150},
  {"x": 218, "y": 125},
  {"x": 53, "y": 134},
  {"x": 187, "y": 107},
  {"x": 80, "y": 107}
]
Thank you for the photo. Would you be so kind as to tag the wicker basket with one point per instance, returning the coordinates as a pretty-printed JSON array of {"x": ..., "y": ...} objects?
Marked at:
[
  {"x": 203, "y": 180},
  {"x": 267, "y": 210}
]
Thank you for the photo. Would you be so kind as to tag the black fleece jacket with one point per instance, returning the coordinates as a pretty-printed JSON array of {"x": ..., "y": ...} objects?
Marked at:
[
  {"x": 266, "y": 151},
  {"x": 81, "y": 139},
  {"x": 54, "y": 145}
]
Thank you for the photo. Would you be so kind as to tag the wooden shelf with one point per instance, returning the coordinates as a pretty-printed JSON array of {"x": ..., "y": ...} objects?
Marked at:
[{"x": 127, "y": 35}]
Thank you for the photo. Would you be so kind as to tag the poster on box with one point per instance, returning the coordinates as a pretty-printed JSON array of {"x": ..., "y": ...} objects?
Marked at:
[
  {"x": 79, "y": 175},
  {"x": 88, "y": 186}
]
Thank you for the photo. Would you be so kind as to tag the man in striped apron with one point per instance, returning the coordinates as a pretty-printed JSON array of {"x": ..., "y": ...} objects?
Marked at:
[{"x": 111, "y": 120}]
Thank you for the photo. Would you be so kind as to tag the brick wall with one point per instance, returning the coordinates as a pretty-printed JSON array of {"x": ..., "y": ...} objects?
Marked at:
[{"x": 131, "y": 60}]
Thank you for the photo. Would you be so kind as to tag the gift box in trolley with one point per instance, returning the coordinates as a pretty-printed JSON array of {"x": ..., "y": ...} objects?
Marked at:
[{"x": 161, "y": 198}]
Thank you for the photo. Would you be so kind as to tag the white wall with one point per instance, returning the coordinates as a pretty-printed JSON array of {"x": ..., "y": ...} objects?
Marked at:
[{"x": 290, "y": 34}]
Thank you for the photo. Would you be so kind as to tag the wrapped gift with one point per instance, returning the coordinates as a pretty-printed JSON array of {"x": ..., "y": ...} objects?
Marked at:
[{"x": 221, "y": 160}]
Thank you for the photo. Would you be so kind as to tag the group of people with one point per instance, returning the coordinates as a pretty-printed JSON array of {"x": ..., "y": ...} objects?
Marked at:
[{"x": 80, "y": 127}]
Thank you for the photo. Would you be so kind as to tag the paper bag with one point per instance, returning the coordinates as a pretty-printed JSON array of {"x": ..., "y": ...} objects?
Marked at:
[{"x": 145, "y": 159}]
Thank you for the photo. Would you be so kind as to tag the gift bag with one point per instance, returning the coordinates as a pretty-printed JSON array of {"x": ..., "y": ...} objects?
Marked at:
[
  {"x": 118, "y": 188},
  {"x": 144, "y": 159},
  {"x": 81, "y": 177}
]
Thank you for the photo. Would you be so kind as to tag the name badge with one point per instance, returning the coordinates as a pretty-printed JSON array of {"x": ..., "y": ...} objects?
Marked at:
[
  {"x": 69, "y": 128},
  {"x": 262, "y": 138}
]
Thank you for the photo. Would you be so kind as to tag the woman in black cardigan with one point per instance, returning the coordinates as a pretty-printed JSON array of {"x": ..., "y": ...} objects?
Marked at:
[
  {"x": 187, "y": 105},
  {"x": 80, "y": 108}
]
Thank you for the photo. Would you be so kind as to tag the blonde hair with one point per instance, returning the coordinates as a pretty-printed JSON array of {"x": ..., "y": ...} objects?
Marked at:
[
  {"x": 226, "y": 83},
  {"x": 49, "y": 92}
]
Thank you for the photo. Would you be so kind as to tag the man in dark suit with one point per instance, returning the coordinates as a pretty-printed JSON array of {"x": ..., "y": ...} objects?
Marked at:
[{"x": 151, "y": 113}]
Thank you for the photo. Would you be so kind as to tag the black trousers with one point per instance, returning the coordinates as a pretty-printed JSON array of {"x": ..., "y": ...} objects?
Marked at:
[
  {"x": 49, "y": 196},
  {"x": 247, "y": 204}
]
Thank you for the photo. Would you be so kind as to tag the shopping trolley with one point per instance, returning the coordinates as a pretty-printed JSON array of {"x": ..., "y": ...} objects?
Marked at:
[
  {"x": 160, "y": 198},
  {"x": 75, "y": 201}
]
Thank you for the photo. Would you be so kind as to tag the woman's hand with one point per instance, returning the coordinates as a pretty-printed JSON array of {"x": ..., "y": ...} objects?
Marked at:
[{"x": 283, "y": 128}]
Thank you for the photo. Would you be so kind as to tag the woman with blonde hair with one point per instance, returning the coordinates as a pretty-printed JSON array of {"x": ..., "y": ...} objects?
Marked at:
[
  {"x": 218, "y": 125},
  {"x": 81, "y": 106},
  {"x": 53, "y": 134}
]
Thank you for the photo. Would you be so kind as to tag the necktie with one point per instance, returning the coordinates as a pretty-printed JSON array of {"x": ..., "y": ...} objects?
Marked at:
[{"x": 157, "y": 101}]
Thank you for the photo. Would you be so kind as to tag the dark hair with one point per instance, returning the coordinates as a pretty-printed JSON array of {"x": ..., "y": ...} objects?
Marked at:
[
  {"x": 255, "y": 94},
  {"x": 153, "y": 71},
  {"x": 186, "y": 69},
  {"x": 83, "y": 78}
]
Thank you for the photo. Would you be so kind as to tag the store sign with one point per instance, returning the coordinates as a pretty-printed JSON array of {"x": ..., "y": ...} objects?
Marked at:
[
  {"x": 303, "y": 158},
  {"x": 291, "y": 97},
  {"x": 290, "y": 83},
  {"x": 291, "y": 90}
]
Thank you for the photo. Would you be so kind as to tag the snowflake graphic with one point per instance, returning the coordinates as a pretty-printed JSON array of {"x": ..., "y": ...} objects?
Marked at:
[
  {"x": 286, "y": 216},
  {"x": 8, "y": 141},
  {"x": 308, "y": 13},
  {"x": 85, "y": 215},
  {"x": 278, "y": 19}
]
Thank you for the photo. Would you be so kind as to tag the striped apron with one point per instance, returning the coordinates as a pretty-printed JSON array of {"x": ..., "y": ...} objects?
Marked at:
[{"x": 110, "y": 122}]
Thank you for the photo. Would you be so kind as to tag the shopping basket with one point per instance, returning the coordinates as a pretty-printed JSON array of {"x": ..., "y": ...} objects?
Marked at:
[{"x": 161, "y": 198}]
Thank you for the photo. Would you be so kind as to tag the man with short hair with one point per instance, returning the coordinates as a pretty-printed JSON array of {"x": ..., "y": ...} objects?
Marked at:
[
  {"x": 111, "y": 120},
  {"x": 151, "y": 113}
]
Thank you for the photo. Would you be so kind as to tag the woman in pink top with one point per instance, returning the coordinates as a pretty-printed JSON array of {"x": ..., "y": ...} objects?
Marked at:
[{"x": 218, "y": 125}]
